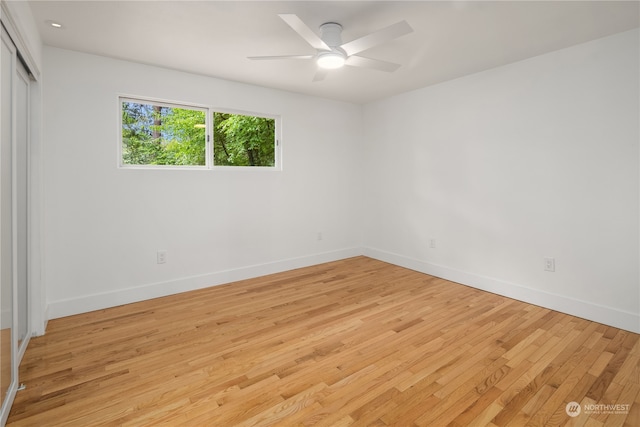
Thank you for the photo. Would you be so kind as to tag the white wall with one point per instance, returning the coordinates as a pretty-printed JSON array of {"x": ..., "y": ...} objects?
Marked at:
[
  {"x": 536, "y": 159},
  {"x": 104, "y": 224}
]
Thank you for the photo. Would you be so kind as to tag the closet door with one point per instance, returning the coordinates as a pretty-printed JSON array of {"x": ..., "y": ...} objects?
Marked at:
[
  {"x": 21, "y": 189},
  {"x": 7, "y": 350}
]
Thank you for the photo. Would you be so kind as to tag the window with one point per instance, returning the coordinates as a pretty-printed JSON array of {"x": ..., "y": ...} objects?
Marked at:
[
  {"x": 159, "y": 134},
  {"x": 162, "y": 134},
  {"x": 241, "y": 140}
]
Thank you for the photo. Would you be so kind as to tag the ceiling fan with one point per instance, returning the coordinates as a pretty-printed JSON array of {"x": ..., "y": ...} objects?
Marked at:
[{"x": 332, "y": 53}]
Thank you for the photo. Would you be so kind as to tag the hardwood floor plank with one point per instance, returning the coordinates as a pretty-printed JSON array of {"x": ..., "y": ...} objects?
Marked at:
[
  {"x": 353, "y": 342},
  {"x": 572, "y": 388}
]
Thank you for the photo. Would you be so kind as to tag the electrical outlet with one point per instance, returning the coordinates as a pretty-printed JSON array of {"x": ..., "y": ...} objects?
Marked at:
[
  {"x": 549, "y": 264},
  {"x": 161, "y": 257},
  {"x": 432, "y": 243},
  {"x": 319, "y": 237}
]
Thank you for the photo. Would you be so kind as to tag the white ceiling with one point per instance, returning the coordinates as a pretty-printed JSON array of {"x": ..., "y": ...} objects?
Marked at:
[{"x": 451, "y": 39}]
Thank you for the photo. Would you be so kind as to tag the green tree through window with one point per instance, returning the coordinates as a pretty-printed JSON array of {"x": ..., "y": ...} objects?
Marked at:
[
  {"x": 161, "y": 135},
  {"x": 240, "y": 140},
  {"x": 170, "y": 135}
]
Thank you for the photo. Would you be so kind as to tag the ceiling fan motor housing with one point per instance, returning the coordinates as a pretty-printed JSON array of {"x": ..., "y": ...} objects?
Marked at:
[{"x": 330, "y": 33}]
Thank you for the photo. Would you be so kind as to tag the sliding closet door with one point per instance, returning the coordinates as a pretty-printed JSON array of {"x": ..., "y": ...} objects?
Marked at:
[
  {"x": 7, "y": 67},
  {"x": 21, "y": 188}
]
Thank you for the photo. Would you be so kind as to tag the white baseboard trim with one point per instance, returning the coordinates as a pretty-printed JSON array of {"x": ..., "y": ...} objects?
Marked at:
[
  {"x": 575, "y": 307},
  {"x": 71, "y": 306}
]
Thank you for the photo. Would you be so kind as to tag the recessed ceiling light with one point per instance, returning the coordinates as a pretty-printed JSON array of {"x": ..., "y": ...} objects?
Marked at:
[{"x": 53, "y": 24}]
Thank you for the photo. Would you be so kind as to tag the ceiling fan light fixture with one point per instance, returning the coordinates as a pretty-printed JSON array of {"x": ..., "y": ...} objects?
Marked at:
[{"x": 331, "y": 60}]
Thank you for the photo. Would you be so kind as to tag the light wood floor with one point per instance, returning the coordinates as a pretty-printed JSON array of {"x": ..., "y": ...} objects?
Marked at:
[{"x": 354, "y": 342}]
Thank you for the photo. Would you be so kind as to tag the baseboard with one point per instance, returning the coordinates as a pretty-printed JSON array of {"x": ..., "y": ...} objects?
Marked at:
[
  {"x": 68, "y": 307},
  {"x": 575, "y": 307}
]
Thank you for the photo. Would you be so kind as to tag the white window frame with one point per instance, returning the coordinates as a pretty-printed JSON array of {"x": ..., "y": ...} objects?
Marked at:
[{"x": 209, "y": 157}]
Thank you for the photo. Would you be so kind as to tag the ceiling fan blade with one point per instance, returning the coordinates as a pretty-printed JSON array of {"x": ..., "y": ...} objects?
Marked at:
[
  {"x": 305, "y": 32},
  {"x": 281, "y": 57},
  {"x": 375, "y": 64},
  {"x": 320, "y": 74},
  {"x": 381, "y": 36}
]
